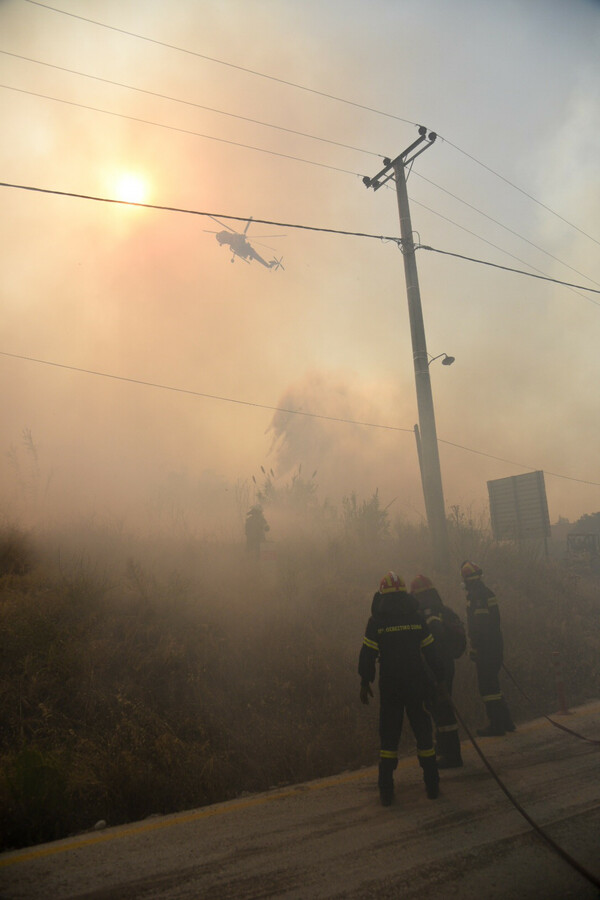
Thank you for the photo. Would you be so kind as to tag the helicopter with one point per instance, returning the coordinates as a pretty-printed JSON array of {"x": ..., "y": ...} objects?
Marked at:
[{"x": 240, "y": 245}]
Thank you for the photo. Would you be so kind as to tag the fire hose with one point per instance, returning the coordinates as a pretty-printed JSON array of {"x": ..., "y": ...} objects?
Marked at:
[
  {"x": 537, "y": 828},
  {"x": 548, "y": 719}
]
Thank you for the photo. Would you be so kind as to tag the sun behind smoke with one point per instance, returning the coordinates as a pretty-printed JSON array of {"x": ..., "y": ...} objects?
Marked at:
[{"x": 131, "y": 188}]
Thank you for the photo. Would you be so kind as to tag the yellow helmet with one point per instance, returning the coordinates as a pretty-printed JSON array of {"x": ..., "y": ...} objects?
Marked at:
[
  {"x": 391, "y": 582},
  {"x": 470, "y": 571}
]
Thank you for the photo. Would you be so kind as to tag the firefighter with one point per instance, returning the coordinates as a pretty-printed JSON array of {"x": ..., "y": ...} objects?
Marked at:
[
  {"x": 487, "y": 649},
  {"x": 446, "y": 629},
  {"x": 396, "y": 633},
  {"x": 255, "y": 528}
]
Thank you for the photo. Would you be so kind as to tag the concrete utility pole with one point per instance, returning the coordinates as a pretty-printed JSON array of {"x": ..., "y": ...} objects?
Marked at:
[{"x": 431, "y": 476}]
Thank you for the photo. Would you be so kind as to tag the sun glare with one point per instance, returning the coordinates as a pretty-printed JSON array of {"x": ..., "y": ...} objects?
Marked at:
[{"x": 131, "y": 188}]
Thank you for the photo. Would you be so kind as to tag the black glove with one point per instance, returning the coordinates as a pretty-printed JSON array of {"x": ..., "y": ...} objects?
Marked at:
[{"x": 365, "y": 693}]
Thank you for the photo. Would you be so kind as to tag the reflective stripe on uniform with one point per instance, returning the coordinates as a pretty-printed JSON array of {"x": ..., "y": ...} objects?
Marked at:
[
  {"x": 488, "y": 697},
  {"x": 482, "y": 612},
  {"x": 427, "y": 641},
  {"x": 413, "y": 627},
  {"x": 372, "y": 645},
  {"x": 445, "y": 728},
  {"x": 433, "y": 619},
  {"x": 492, "y": 601},
  {"x": 388, "y": 754},
  {"x": 426, "y": 753}
]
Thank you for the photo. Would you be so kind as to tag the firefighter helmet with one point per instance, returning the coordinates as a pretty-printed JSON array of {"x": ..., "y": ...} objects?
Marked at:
[
  {"x": 391, "y": 582},
  {"x": 421, "y": 583},
  {"x": 470, "y": 571}
]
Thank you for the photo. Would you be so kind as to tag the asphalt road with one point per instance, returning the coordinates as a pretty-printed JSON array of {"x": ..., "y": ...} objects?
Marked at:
[{"x": 332, "y": 839}]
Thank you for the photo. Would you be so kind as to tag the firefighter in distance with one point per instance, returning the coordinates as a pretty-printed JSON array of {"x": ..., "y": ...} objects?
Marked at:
[
  {"x": 450, "y": 639},
  {"x": 397, "y": 635},
  {"x": 255, "y": 528},
  {"x": 487, "y": 649}
]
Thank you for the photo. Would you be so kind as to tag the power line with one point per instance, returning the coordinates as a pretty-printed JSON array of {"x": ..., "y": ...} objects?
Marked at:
[
  {"x": 513, "y": 463},
  {"x": 272, "y": 153},
  {"x": 489, "y": 243},
  {"x": 483, "y": 262},
  {"x": 505, "y": 227},
  {"x": 328, "y": 96},
  {"x": 220, "y": 62},
  {"x": 294, "y": 132},
  {"x": 212, "y": 109},
  {"x": 208, "y": 137},
  {"x": 177, "y": 390},
  {"x": 294, "y": 412},
  {"x": 517, "y": 188},
  {"x": 361, "y": 234},
  {"x": 196, "y": 212}
]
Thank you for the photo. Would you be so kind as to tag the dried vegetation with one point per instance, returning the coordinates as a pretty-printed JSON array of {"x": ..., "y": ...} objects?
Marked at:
[{"x": 141, "y": 677}]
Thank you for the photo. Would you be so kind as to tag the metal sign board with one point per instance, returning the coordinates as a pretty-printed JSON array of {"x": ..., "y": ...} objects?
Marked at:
[{"x": 519, "y": 508}]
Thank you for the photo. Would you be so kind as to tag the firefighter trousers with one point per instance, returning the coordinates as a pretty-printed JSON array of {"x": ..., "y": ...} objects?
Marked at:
[
  {"x": 488, "y": 682},
  {"x": 391, "y": 718}
]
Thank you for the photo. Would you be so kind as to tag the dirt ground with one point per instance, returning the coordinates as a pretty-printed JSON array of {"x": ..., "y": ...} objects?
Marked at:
[{"x": 332, "y": 839}]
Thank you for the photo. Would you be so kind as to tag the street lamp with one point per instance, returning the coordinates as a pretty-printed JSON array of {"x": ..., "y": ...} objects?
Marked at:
[{"x": 447, "y": 360}]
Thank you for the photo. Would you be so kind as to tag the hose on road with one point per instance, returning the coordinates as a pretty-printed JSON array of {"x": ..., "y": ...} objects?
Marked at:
[
  {"x": 543, "y": 715},
  {"x": 537, "y": 828}
]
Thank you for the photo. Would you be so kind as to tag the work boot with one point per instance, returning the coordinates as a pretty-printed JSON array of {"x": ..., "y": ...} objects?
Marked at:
[
  {"x": 386, "y": 781},
  {"x": 430, "y": 776},
  {"x": 432, "y": 789},
  {"x": 449, "y": 747},
  {"x": 444, "y": 762},
  {"x": 490, "y": 731},
  {"x": 509, "y": 725},
  {"x": 496, "y": 727}
]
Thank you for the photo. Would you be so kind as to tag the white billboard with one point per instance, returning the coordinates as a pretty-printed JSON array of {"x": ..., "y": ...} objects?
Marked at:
[{"x": 519, "y": 508}]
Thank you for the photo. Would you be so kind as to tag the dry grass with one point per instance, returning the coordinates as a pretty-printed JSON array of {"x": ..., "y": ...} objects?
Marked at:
[{"x": 139, "y": 678}]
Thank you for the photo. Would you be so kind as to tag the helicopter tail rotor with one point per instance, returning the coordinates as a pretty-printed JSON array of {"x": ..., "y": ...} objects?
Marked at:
[{"x": 277, "y": 264}]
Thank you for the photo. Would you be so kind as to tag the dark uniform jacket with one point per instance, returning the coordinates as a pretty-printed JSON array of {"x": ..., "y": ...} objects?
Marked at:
[
  {"x": 432, "y": 607},
  {"x": 483, "y": 622},
  {"x": 397, "y": 635}
]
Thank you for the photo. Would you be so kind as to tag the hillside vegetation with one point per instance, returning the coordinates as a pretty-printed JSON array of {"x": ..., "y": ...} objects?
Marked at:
[{"x": 142, "y": 676}]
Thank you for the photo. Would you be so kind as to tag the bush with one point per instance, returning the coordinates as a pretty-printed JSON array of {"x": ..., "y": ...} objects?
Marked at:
[{"x": 145, "y": 681}]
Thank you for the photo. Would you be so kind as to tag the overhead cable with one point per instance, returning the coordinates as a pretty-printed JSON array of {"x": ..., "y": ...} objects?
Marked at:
[
  {"x": 208, "y": 137},
  {"x": 520, "y": 190},
  {"x": 483, "y": 262},
  {"x": 301, "y": 87},
  {"x": 197, "y": 212},
  {"x": 220, "y": 62},
  {"x": 300, "y": 134},
  {"x": 486, "y": 241},
  {"x": 211, "y": 109},
  {"x": 177, "y": 390},
  {"x": 505, "y": 227},
  {"x": 295, "y": 412},
  {"x": 513, "y": 463},
  {"x": 361, "y": 234}
]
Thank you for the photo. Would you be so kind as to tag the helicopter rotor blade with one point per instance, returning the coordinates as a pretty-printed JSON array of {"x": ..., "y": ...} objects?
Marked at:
[
  {"x": 223, "y": 225},
  {"x": 247, "y": 225},
  {"x": 260, "y": 244}
]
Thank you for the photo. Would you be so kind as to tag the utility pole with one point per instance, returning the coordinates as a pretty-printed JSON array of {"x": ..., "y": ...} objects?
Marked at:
[{"x": 427, "y": 445}]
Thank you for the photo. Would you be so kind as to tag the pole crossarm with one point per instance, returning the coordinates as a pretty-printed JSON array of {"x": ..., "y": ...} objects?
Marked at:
[{"x": 404, "y": 159}]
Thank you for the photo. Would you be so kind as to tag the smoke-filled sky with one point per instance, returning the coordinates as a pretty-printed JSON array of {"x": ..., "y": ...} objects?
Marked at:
[{"x": 275, "y": 109}]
